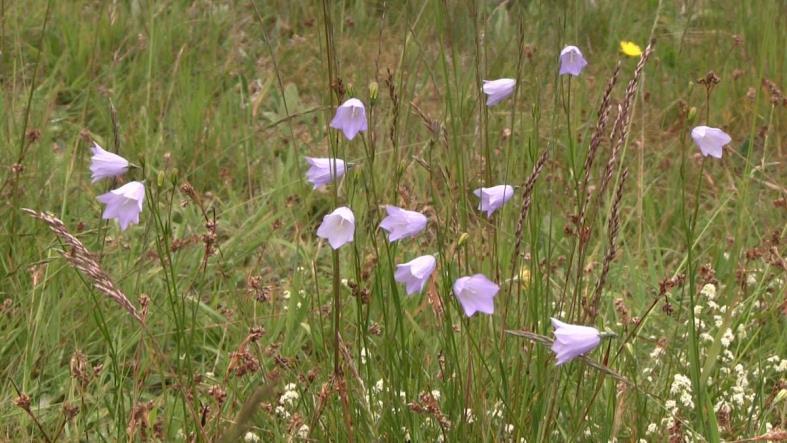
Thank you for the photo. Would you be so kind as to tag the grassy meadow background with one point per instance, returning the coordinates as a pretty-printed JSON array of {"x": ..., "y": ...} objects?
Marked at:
[{"x": 219, "y": 101}]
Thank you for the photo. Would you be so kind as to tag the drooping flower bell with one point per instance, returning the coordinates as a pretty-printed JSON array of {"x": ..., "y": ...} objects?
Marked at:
[
  {"x": 498, "y": 90},
  {"x": 415, "y": 273},
  {"x": 571, "y": 61},
  {"x": 105, "y": 164},
  {"x": 321, "y": 171},
  {"x": 710, "y": 140},
  {"x": 571, "y": 341},
  {"x": 491, "y": 199},
  {"x": 350, "y": 118},
  {"x": 124, "y": 204},
  {"x": 338, "y": 227},
  {"x": 401, "y": 223},
  {"x": 476, "y": 293}
]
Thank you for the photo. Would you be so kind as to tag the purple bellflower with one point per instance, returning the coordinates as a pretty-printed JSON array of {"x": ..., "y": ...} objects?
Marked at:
[
  {"x": 571, "y": 61},
  {"x": 498, "y": 90},
  {"x": 415, "y": 273},
  {"x": 493, "y": 198},
  {"x": 476, "y": 293},
  {"x": 338, "y": 227},
  {"x": 401, "y": 223},
  {"x": 350, "y": 118},
  {"x": 124, "y": 204}
]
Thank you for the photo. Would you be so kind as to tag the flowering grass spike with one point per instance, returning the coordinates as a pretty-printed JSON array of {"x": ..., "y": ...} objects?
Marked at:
[
  {"x": 571, "y": 61},
  {"x": 105, "y": 164},
  {"x": 630, "y": 49},
  {"x": 321, "y": 171},
  {"x": 710, "y": 140},
  {"x": 401, "y": 223},
  {"x": 338, "y": 227},
  {"x": 350, "y": 118},
  {"x": 476, "y": 293},
  {"x": 571, "y": 341},
  {"x": 124, "y": 204},
  {"x": 493, "y": 198},
  {"x": 415, "y": 273},
  {"x": 498, "y": 90}
]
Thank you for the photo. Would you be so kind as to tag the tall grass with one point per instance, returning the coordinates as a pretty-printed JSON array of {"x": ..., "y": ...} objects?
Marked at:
[{"x": 251, "y": 327}]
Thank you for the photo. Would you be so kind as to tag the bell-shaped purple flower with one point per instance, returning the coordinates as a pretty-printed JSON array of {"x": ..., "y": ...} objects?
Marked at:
[
  {"x": 338, "y": 227},
  {"x": 124, "y": 204},
  {"x": 476, "y": 293},
  {"x": 321, "y": 171},
  {"x": 415, "y": 273},
  {"x": 105, "y": 164},
  {"x": 710, "y": 140},
  {"x": 571, "y": 61},
  {"x": 493, "y": 198},
  {"x": 572, "y": 341},
  {"x": 350, "y": 118},
  {"x": 401, "y": 223},
  {"x": 498, "y": 90}
]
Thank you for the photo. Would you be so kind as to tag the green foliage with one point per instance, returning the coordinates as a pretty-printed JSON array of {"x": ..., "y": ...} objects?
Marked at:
[{"x": 226, "y": 98}]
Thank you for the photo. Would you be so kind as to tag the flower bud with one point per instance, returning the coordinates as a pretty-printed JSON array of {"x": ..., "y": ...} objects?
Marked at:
[{"x": 374, "y": 90}]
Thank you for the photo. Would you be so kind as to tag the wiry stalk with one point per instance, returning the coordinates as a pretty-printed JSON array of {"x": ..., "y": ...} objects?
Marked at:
[
  {"x": 595, "y": 141},
  {"x": 83, "y": 260},
  {"x": 527, "y": 200},
  {"x": 621, "y": 127},
  {"x": 612, "y": 245}
]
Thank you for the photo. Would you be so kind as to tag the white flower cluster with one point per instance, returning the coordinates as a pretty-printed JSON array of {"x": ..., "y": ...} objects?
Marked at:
[
  {"x": 739, "y": 394},
  {"x": 287, "y": 400},
  {"x": 727, "y": 338},
  {"x": 251, "y": 437},
  {"x": 777, "y": 364},
  {"x": 681, "y": 387}
]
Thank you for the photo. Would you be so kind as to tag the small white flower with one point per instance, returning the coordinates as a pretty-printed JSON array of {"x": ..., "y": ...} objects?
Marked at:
[
  {"x": 281, "y": 412},
  {"x": 709, "y": 291},
  {"x": 686, "y": 400},
  {"x": 652, "y": 428},
  {"x": 436, "y": 394},
  {"x": 727, "y": 338},
  {"x": 303, "y": 432},
  {"x": 251, "y": 437}
]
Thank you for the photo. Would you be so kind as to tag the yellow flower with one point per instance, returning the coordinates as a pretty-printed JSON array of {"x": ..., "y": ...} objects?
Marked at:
[
  {"x": 630, "y": 48},
  {"x": 524, "y": 276}
]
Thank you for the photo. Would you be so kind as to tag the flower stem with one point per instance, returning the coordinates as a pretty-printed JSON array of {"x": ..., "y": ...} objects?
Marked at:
[{"x": 336, "y": 311}]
